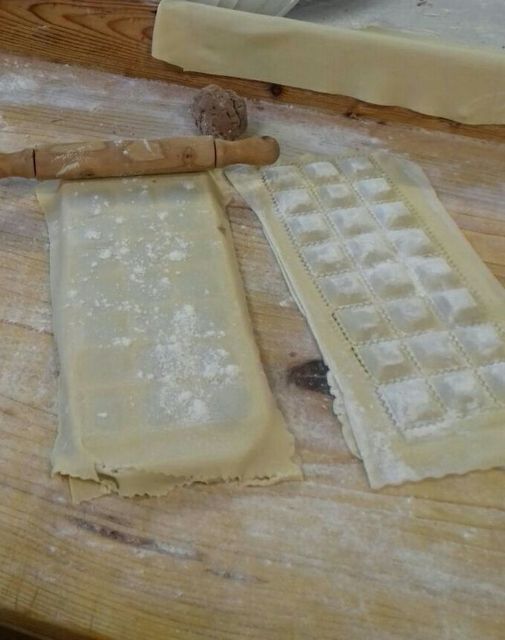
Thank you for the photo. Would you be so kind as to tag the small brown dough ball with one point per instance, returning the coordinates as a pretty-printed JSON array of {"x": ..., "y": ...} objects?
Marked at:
[{"x": 219, "y": 112}]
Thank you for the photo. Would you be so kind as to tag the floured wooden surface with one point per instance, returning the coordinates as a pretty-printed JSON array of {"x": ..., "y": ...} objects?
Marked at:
[
  {"x": 324, "y": 558},
  {"x": 477, "y": 22}
]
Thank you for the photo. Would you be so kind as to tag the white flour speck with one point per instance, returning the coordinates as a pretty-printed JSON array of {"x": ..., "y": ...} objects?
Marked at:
[
  {"x": 176, "y": 255},
  {"x": 198, "y": 410},
  {"x": 122, "y": 342},
  {"x": 92, "y": 234},
  {"x": 184, "y": 353}
]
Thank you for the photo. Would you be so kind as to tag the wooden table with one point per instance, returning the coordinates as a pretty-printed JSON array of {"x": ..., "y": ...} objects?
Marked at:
[{"x": 326, "y": 558}]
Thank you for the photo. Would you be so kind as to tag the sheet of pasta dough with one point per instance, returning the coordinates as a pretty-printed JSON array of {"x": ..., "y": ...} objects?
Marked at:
[
  {"x": 160, "y": 378},
  {"x": 451, "y": 81},
  {"x": 409, "y": 320}
]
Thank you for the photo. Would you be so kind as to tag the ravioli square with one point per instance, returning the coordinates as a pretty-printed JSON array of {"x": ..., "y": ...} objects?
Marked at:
[
  {"x": 386, "y": 360},
  {"x": 411, "y": 403}
]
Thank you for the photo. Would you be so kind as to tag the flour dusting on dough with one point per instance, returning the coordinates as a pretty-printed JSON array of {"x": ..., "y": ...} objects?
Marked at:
[{"x": 184, "y": 351}]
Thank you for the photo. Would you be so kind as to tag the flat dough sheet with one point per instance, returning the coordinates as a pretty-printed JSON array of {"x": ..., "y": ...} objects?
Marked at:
[
  {"x": 160, "y": 378},
  {"x": 429, "y": 76},
  {"x": 409, "y": 320}
]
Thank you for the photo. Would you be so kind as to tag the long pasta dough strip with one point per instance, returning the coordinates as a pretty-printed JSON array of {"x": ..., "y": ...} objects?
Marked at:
[{"x": 383, "y": 68}]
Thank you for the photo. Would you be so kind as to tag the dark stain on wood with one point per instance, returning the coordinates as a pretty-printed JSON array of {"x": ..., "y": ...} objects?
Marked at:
[
  {"x": 140, "y": 542},
  {"x": 310, "y": 375},
  {"x": 276, "y": 90},
  {"x": 27, "y": 327},
  {"x": 235, "y": 577},
  {"x": 114, "y": 519}
]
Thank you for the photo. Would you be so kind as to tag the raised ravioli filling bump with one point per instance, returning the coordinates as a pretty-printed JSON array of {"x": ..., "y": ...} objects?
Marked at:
[
  {"x": 282, "y": 177},
  {"x": 390, "y": 280},
  {"x": 461, "y": 391},
  {"x": 374, "y": 189},
  {"x": 363, "y": 323},
  {"x": 321, "y": 171},
  {"x": 494, "y": 376},
  {"x": 411, "y": 403},
  {"x": 386, "y": 360},
  {"x": 482, "y": 342},
  {"x": 325, "y": 258},
  {"x": 369, "y": 249},
  {"x": 334, "y": 195},
  {"x": 411, "y": 242},
  {"x": 344, "y": 289},
  {"x": 356, "y": 167},
  {"x": 295, "y": 201},
  {"x": 410, "y": 315},
  {"x": 434, "y": 273},
  {"x": 353, "y": 221},
  {"x": 457, "y": 305},
  {"x": 435, "y": 351},
  {"x": 309, "y": 228},
  {"x": 393, "y": 215}
]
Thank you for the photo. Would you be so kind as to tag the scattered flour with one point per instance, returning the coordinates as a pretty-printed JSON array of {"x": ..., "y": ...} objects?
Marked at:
[
  {"x": 122, "y": 342},
  {"x": 92, "y": 234},
  {"x": 176, "y": 255},
  {"x": 105, "y": 254},
  {"x": 183, "y": 352}
]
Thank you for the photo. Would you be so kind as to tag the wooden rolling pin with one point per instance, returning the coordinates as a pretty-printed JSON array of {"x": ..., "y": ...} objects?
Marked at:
[{"x": 135, "y": 157}]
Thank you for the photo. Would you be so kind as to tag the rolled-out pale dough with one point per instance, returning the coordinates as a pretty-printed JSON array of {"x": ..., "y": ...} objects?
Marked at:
[
  {"x": 451, "y": 81},
  {"x": 160, "y": 378}
]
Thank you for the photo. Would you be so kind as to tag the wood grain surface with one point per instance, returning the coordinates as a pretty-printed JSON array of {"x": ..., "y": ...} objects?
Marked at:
[
  {"x": 115, "y": 35},
  {"x": 326, "y": 558}
]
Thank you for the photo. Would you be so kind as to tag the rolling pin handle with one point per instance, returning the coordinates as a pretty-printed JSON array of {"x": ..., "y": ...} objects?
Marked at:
[
  {"x": 136, "y": 157},
  {"x": 20, "y": 164},
  {"x": 255, "y": 151}
]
